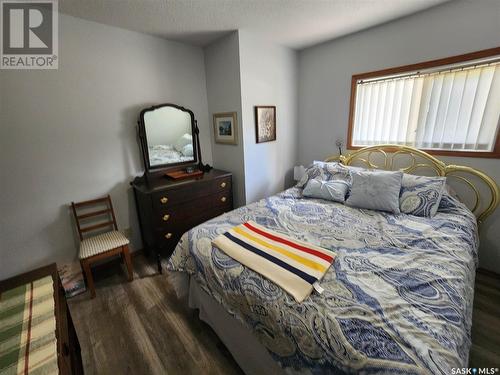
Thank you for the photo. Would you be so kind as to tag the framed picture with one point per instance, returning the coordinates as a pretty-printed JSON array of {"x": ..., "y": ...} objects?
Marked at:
[
  {"x": 226, "y": 128},
  {"x": 265, "y": 123}
]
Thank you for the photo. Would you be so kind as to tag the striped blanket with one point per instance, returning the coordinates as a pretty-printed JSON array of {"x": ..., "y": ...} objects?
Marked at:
[
  {"x": 27, "y": 329},
  {"x": 295, "y": 266}
]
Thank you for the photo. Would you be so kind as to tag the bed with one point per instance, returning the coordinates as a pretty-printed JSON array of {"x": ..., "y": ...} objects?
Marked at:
[
  {"x": 398, "y": 298},
  {"x": 166, "y": 154}
]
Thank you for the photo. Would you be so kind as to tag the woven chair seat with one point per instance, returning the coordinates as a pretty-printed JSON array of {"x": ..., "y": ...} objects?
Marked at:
[{"x": 101, "y": 243}]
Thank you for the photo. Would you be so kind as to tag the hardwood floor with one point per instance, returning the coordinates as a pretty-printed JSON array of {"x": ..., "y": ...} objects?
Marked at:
[
  {"x": 485, "y": 351},
  {"x": 140, "y": 327}
]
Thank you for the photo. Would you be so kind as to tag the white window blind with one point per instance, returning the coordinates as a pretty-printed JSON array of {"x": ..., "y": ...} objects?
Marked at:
[{"x": 455, "y": 109}]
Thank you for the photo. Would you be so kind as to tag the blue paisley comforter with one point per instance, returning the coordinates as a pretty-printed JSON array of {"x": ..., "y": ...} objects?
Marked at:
[{"x": 398, "y": 298}]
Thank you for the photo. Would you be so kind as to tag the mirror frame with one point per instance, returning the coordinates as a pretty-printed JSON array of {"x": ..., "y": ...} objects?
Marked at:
[{"x": 144, "y": 141}]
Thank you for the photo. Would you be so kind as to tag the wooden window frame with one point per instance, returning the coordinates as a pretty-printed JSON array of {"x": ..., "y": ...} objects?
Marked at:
[{"x": 424, "y": 65}]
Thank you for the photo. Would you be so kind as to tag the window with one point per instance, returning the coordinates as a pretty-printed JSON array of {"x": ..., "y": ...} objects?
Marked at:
[{"x": 447, "y": 106}]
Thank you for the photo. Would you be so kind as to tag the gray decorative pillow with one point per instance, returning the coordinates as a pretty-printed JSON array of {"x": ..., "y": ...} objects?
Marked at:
[
  {"x": 334, "y": 190},
  {"x": 325, "y": 172},
  {"x": 375, "y": 190},
  {"x": 313, "y": 171},
  {"x": 420, "y": 195}
]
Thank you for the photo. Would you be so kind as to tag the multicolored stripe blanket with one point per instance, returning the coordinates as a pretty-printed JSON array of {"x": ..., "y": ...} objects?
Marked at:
[
  {"x": 28, "y": 342},
  {"x": 295, "y": 266}
]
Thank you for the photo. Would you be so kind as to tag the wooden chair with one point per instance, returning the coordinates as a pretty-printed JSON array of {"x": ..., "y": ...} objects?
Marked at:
[{"x": 102, "y": 245}]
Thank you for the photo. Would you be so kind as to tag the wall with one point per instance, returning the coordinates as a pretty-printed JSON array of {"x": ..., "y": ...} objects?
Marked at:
[
  {"x": 325, "y": 74},
  {"x": 222, "y": 66},
  {"x": 244, "y": 70},
  {"x": 70, "y": 134},
  {"x": 268, "y": 77}
]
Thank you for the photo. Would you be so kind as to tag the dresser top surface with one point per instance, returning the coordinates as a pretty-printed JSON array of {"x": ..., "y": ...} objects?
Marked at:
[{"x": 161, "y": 182}]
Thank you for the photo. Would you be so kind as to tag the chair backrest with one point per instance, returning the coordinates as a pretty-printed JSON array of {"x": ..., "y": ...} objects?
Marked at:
[{"x": 83, "y": 214}]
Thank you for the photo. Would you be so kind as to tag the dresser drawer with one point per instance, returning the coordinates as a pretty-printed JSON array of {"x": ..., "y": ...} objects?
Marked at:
[
  {"x": 171, "y": 197},
  {"x": 168, "y": 239},
  {"x": 222, "y": 198},
  {"x": 223, "y": 183},
  {"x": 174, "y": 216},
  {"x": 168, "y": 208},
  {"x": 169, "y": 235},
  {"x": 188, "y": 192}
]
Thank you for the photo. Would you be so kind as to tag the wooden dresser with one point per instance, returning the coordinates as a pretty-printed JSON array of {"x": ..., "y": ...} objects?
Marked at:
[{"x": 168, "y": 208}]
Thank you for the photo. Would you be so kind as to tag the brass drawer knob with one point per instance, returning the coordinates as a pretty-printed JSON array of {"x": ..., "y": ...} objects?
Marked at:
[
  {"x": 223, "y": 185},
  {"x": 166, "y": 217},
  {"x": 223, "y": 199},
  {"x": 168, "y": 236},
  {"x": 164, "y": 200}
]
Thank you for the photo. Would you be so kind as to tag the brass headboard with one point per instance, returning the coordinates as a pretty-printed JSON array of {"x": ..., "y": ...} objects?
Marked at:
[{"x": 411, "y": 160}]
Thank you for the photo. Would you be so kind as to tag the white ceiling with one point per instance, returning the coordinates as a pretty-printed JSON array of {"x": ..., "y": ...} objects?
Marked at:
[{"x": 293, "y": 23}]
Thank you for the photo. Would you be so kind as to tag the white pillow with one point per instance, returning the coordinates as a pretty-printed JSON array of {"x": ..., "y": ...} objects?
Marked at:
[
  {"x": 187, "y": 150},
  {"x": 182, "y": 141}
]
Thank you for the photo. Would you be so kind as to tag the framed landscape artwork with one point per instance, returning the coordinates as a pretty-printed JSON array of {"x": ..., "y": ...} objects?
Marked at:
[
  {"x": 265, "y": 123},
  {"x": 226, "y": 128}
]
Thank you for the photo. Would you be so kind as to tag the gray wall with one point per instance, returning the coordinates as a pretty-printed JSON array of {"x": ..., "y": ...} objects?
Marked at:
[
  {"x": 268, "y": 77},
  {"x": 325, "y": 74},
  {"x": 244, "y": 70},
  {"x": 222, "y": 65},
  {"x": 70, "y": 134}
]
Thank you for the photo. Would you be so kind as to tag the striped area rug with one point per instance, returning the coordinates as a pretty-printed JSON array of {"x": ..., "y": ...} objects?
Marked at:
[
  {"x": 27, "y": 329},
  {"x": 294, "y": 265}
]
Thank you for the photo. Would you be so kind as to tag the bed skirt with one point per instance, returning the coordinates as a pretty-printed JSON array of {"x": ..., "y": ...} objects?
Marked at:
[{"x": 248, "y": 352}]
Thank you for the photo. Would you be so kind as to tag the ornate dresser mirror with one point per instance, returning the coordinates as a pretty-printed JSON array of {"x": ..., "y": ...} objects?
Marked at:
[
  {"x": 193, "y": 192},
  {"x": 168, "y": 135}
]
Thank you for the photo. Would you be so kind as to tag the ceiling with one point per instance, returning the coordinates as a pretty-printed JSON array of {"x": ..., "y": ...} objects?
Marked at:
[{"x": 293, "y": 23}]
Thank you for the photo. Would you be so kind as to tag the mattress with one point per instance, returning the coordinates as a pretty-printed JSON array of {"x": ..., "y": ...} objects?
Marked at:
[{"x": 398, "y": 298}]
